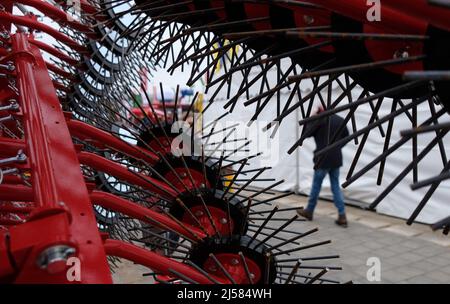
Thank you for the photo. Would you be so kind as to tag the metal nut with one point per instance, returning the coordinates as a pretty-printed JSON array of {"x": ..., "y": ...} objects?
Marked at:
[{"x": 54, "y": 258}]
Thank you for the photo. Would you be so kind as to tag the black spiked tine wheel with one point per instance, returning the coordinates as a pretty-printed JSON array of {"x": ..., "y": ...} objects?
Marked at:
[{"x": 407, "y": 68}]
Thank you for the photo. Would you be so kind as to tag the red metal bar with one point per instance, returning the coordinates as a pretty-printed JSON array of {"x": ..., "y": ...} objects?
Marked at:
[
  {"x": 13, "y": 180},
  {"x": 11, "y": 208},
  {"x": 84, "y": 131},
  {"x": 109, "y": 167},
  {"x": 59, "y": 16},
  {"x": 12, "y": 221},
  {"x": 110, "y": 201},
  {"x": 10, "y": 146},
  {"x": 17, "y": 193},
  {"x": 88, "y": 8},
  {"x": 59, "y": 71},
  {"x": 153, "y": 260},
  {"x": 55, "y": 52},
  {"x": 33, "y": 24},
  {"x": 8, "y": 8},
  {"x": 58, "y": 184},
  {"x": 60, "y": 86}
]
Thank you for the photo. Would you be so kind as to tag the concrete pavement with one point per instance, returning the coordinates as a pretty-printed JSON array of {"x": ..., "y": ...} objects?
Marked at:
[{"x": 407, "y": 254}]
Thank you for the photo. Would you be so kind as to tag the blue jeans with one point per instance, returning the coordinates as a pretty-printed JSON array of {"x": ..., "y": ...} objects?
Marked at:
[{"x": 338, "y": 197}]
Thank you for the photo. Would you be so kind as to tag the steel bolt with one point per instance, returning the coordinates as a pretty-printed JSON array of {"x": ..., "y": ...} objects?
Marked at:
[
  {"x": 212, "y": 269},
  {"x": 54, "y": 258},
  {"x": 308, "y": 19},
  {"x": 401, "y": 54},
  {"x": 11, "y": 66},
  {"x": 5, "y": 35},
  {"x": 13, "y": 106},
  {"x": 21, "y": 157}
]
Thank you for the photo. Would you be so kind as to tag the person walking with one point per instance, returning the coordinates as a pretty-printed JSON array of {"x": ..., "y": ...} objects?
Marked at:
[{"x": 325, "y": 131}]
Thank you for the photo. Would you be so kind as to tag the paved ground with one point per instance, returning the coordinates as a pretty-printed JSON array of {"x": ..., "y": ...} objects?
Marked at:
[{"x": 408, "y": 254}]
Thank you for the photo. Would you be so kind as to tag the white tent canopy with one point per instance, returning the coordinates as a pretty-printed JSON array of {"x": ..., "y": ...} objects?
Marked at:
[{"x": 297, "y": 169}]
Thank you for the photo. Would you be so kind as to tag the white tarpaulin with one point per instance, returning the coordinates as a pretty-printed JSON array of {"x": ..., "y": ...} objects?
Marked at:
[{"x": 297, "y": 169}]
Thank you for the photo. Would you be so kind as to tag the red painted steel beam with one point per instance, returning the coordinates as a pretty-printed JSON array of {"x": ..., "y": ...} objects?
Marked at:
[
  {"x": 57, "y": 70},
  {"x": 8, "y": 8},
  {"x": 58, "y": 183},
  {"x": 113, "y": 202},
  {"x": 153, "y": 260},
  {"x": 9, "y": 207},
  {"x": 10, "y": 146},
  {"x": 112, "y": 168},
  {"x": 88, "y": 8},
  {"x": 34, "y": 24},
  {"x": 61, "y": 86},
  {"x": 17, "y": 193},
  {"x": 55, "y": 52},
  {"x": 59, "y": 16},
  {"x": 14, "y": 180},
  {"x": 85, "y": 131}
]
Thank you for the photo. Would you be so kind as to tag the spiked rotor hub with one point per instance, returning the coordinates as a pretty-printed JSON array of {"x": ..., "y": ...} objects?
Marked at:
[
  {"x": 190, "y": 173},
  {"x": 240, "y": 260},
  {"x": 183, "y": 171},
  {"x": 212, "y": 211}
]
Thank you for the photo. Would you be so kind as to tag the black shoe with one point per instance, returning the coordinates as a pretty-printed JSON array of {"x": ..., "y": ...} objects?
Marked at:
[
  {"x": 305, "y": 213},
  {"x": 342, "y": 221}
]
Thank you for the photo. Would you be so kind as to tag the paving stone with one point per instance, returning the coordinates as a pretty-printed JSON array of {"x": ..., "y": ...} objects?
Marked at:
[
  {"x": 411, "y": 256},
  {"x": 398, "y": 248},
  {"x": 428, "y": 250},
  {"x": 353, "y": 217},
  {"x": 436, "y": 238},
  {"x": 388, "y": 239},
  {"x": 440, "y": 261},
  {"x": 439, "y": 276},
  {"x": 373, "y": 223},
  {"x": 421, "y": 280},
  {"x": 383, "y": 253},
  {"x": 404, "y": 230},
  {"x": 445, "y": 254},
  {"x": 412, "y": 243},
  {"x": 355, "y": 260},
  {"x": 398, "y": 275},
  {"x": 445, "y": 269},
  {"x": 398, "y": 261},
  {"x": 359, "y": 249}
]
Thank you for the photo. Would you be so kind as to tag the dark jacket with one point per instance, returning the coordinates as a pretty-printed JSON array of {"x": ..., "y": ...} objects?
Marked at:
[{"x": 324, "y": 131}]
